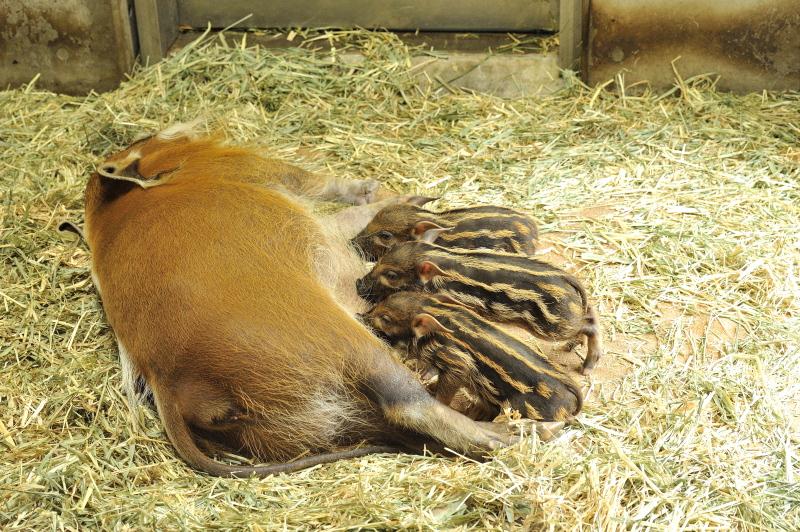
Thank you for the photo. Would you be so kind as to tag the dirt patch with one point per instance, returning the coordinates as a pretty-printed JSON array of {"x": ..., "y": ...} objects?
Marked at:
[
  {"x": 690, "y": 335},
  {"x": 551, "y": 248},
  {"x": 696, "y": 334},
  {"x": 621, "y": 354},
  {"x": 303, "y": 153},
  {"x": 593, "y": 212}
]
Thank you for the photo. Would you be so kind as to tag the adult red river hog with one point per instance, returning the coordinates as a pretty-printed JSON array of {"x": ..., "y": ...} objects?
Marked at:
[{"x": 234, "y": 307}]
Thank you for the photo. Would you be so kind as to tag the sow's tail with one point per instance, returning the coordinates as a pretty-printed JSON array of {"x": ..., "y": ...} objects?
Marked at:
[{"x": 180, "y": 435}]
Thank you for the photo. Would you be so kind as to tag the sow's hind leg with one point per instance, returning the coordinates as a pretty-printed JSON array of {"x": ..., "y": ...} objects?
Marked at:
[{"x": 406, "y": 404}]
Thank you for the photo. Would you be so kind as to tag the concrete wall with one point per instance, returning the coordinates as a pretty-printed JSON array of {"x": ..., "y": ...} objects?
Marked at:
[
  {"x": 73, "y": 45},
  {"x": 80, "y": 45},
  {"x": 449, "y": 15},
  {"x": 751, "y": 44}
]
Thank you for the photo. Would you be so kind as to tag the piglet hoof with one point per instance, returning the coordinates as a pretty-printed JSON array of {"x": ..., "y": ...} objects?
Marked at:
[
  {"x": 498, "y": 435},
  {"x": 547, "y": 430},
  {"x": 588, "y": 365},
  {"x": 569, "y": 346},
  {"x": 430, "y": 374}
]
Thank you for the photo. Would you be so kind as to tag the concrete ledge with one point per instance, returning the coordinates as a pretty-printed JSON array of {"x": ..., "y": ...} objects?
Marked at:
[
  {"x": 461, "y": 61},
  {"x": 506, "y": 76}
]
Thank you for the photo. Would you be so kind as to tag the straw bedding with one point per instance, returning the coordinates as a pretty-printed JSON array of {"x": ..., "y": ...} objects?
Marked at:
[{"x": 680, "y": 211}]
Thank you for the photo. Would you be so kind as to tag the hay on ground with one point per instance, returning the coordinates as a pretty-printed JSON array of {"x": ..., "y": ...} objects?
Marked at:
[{"x": 680, "y": 211}]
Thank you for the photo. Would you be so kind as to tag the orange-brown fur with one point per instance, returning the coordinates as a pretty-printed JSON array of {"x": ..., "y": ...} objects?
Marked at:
[{"x": 211, "y": 280}]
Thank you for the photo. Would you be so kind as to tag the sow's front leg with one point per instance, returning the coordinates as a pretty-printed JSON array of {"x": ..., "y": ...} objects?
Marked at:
[
  {"x": 353, "y": 191},
  {"x": 406, "y": 404},
  {"x": 352, "y": 220},
  {"x": 327, "y": 187}
]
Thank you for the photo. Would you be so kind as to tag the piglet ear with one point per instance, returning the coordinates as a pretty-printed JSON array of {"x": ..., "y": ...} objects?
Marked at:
[
  {"x": 427, "y": 270},
  {"x": 427, "y": 231},
  {"x": 425, "y": 324},
  {"x": 419, "y": 201},
  {"x": 178, "y": 130},
  {"x": 446, "y": 299}
]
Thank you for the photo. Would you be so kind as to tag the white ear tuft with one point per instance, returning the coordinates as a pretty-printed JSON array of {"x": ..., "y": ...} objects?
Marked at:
[{"x": 181, "y": 129}]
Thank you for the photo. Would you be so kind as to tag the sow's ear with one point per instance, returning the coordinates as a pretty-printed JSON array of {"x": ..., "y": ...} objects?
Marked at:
[
  {"x": 425, "y": 324},
  {"x": 427, "y": 231},
  {"x": 428, "y": 270},
  {"x": 69, "y": 227},
  {"x": 127, "y": 169}
]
